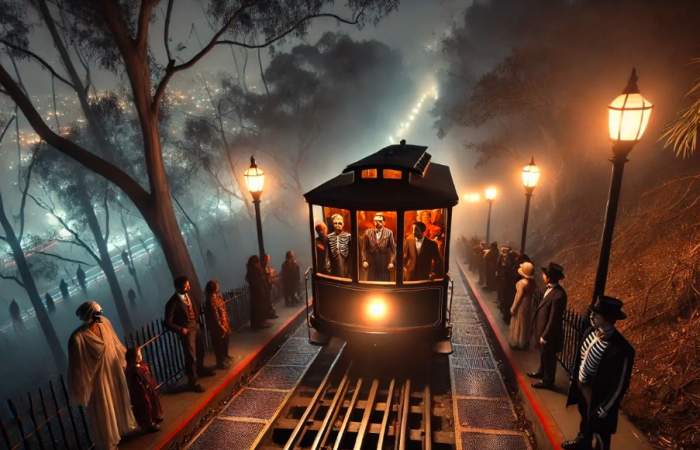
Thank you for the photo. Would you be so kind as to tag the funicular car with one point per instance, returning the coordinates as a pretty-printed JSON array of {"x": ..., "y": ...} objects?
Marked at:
[{"x": 380, "y": 234}]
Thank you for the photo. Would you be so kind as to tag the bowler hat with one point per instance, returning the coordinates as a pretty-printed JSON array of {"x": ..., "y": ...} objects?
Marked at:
[
  {"x": 608, "y": 307},
  {"x": 554, "y": 271}
]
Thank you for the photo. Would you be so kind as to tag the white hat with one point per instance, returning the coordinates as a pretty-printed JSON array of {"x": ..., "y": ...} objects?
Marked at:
[{"x": 527, "y": 270}]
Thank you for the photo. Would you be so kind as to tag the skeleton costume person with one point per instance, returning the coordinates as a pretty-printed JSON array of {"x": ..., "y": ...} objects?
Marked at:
[
  {"x": 338, "y": 256},
  {"x": 96, "y": 362}
]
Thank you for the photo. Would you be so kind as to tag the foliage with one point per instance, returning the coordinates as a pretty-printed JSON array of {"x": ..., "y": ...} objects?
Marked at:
[{"x": 682, "y": 133}]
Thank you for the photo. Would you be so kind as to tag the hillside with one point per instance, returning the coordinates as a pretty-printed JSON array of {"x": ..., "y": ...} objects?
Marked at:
[{"x": 654, "y": 268}]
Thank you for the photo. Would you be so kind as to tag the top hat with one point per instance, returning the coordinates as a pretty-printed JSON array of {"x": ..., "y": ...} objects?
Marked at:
[
  {"x": 554, "y": 271},
  {"x": 608, "y": 307}
]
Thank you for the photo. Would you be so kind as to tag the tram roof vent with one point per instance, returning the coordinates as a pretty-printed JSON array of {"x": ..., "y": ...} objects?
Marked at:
[{"x": 413, "y": 158}]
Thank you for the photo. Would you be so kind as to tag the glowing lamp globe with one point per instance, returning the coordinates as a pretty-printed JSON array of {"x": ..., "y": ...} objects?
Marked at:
[
  {"x": 531, "y": 175},
  {"x": 490, "y": 193},
  {"x": 254, "y": 178},
  {"x": 472, "y": 197},
  {"x": 629, "y": 114}
]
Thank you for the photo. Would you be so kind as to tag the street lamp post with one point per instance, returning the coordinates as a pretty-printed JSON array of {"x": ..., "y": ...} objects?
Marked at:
[
  {"x": 490, "y": 194},
  {"x": 531, "y": 175},
  {"x": 255, "y": 181},
  {"x": 628, "y": 117}
]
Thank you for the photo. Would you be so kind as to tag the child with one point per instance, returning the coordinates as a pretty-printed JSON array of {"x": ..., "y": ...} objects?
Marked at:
[{"x": 145, "y": 400}]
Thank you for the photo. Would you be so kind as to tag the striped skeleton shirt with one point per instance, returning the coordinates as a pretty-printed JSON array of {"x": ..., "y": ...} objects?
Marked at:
[{"x": 591, "y": 353}]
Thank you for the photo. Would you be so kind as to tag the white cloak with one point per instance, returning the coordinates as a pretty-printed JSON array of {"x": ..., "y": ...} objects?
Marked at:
[{"x": 96, "y": 380}]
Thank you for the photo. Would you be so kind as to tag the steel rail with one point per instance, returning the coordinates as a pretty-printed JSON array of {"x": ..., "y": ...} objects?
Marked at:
[
  {"x": 348, "y": 413},
  {"x": 387, "y": 412},
  {"x": 369, "y": 407},
  {"x": 332, "y": 413},
  {"x": 427, "y": 417},
  {"x": 403, "y": 428},
  {"x": 312, "y": 407}
]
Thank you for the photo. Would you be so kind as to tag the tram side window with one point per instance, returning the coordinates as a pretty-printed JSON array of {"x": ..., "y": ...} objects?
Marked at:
[
  {"x": 332, "y": 241},
  {"x": 377, "y": 245},
  {"x": 424, "y": 245}
]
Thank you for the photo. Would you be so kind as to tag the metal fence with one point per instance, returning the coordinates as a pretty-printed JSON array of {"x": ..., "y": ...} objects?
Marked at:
[
  {"x": 45, "y": 418},
  {"x": 574, "y": 326}
]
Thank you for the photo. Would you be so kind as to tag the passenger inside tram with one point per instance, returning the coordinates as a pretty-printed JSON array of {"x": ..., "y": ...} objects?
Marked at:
[
  {"x": 338, "y": 254},
  {"x": 421, "y": 257},
  {"x": 377, "y": 247}
]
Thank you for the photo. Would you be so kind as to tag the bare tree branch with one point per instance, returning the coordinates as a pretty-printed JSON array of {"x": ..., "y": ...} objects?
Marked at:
[
  {"x": 62, "y": 258},
  {"x": 76, "y": 237},
  {"x": 166, "y": 30},
  {"x": 13, "y": 278},
  {"x": 94, "y": 163},
  {"x": 38, "y": 58},
  {"x": 105, "y": 205},
  {"x": 24, "y": 191}
]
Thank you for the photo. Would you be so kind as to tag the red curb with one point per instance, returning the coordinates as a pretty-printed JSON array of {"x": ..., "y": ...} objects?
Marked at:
[
  {"x": 237, "y": 370},
  {"x": 551, "y": 430}
]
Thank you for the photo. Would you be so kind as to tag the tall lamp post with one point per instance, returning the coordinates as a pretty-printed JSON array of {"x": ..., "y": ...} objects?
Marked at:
[
  {"x": 490, "y": 193},
  {"x": 628, "y": 117},
  {"x": 255, "y": 181},
  {"x": 531, "y": 175}
]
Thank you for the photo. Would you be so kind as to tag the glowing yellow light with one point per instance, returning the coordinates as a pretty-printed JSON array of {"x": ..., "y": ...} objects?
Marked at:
[
  {"x": 490, "y": 193},
  {"x": 472, "y": 197},
  {"x": 531, "y": 175},
  {"x": 376, "y": 308},
  {"x": 254, "y": 178},
  {"x": 629, "y": 113}
]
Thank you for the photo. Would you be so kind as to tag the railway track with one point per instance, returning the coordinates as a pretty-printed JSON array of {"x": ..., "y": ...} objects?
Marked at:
[{"x": 351, "y": 400}]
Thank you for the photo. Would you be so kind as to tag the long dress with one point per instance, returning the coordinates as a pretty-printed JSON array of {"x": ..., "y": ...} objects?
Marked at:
[
  {"x": 96, "y": 380},
  {"x": 144, "y": 395},
  {"x": 520, "y": 322}
]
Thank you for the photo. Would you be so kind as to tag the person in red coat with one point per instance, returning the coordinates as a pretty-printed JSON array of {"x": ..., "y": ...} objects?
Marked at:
[{"x": 143, "y": 390}]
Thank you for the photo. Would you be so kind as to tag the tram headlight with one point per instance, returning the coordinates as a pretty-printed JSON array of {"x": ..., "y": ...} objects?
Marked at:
[{"x": 376, "y": 308}]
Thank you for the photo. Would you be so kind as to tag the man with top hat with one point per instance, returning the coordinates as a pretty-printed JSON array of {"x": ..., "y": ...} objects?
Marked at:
[
  {"x": 600, "y": 377},
  {"x": 548, "y": 329}
]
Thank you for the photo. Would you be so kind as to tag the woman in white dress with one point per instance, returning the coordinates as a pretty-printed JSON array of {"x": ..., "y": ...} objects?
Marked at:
[
  {"x": 521, "y": 310},
  {"x": 96, "y": 380}
]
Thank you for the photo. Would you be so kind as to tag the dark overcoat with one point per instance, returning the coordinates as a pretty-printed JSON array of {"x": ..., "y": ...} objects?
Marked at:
[
  {"x": 548, "y": 318},
  {"x": 609, "y": 384}
]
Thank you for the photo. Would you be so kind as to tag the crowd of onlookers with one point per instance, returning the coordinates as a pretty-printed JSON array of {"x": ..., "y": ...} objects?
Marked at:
[
  {"x": 117, "y": 386},
  {"x": 535, "y": 317}
]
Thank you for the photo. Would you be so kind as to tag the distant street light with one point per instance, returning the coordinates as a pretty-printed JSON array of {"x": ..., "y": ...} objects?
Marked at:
[
  {"x": 490, "y": 193},
  {"x": 472, "y": 197},
  {"x": 628, "y": 117},
  {"x": 255, "y": 181},
  {"x": 531, "y": 175}
]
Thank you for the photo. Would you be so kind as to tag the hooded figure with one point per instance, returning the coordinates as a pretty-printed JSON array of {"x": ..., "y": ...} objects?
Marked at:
[{"x": 96, "y": 362}]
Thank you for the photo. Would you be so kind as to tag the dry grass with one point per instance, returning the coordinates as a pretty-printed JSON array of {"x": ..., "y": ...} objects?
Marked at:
[{"x": 655, "y": 269}]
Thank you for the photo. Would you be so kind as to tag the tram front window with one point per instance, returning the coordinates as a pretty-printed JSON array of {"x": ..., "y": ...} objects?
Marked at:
[
  {"x": 377, "y": 245},
  {"x": 424, "y": 241},
  {"x": 332, "y": 241}
]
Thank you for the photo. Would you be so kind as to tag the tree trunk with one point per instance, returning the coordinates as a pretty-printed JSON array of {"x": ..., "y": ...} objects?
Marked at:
[
  {"x": 132, "y": 268},
  {"x": 29, "y": 286},
  {"x": 105, "y": 260}
]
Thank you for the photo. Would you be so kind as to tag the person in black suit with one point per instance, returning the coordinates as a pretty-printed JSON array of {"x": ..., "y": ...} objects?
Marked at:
[
  {"x": 549, "y": 330},
  {"x": 378, "y": 251},
  {"x": 421, "y": 257},
  {"x": 600, "y": 377},
  {"x": 182, "y": 317}
]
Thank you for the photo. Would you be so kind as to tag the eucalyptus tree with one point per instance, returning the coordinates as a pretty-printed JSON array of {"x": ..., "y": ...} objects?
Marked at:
[{"x": 118, "y": 35}]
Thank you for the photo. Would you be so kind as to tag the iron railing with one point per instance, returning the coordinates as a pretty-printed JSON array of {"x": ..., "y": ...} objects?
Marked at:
[
  {"x": 45, "y": 418},
  {"x": 574, "y": 326}
]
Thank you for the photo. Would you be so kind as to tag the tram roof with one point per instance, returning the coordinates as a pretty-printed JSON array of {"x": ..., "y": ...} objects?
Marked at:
[
  {"x": 434, "y": 189},
  {"x": 412, "y": 158}
]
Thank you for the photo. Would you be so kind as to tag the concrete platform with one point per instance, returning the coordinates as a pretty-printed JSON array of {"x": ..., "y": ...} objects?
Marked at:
[
  {"x": 185, "y": 412},
  {"x": 553, "y": 421}
]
